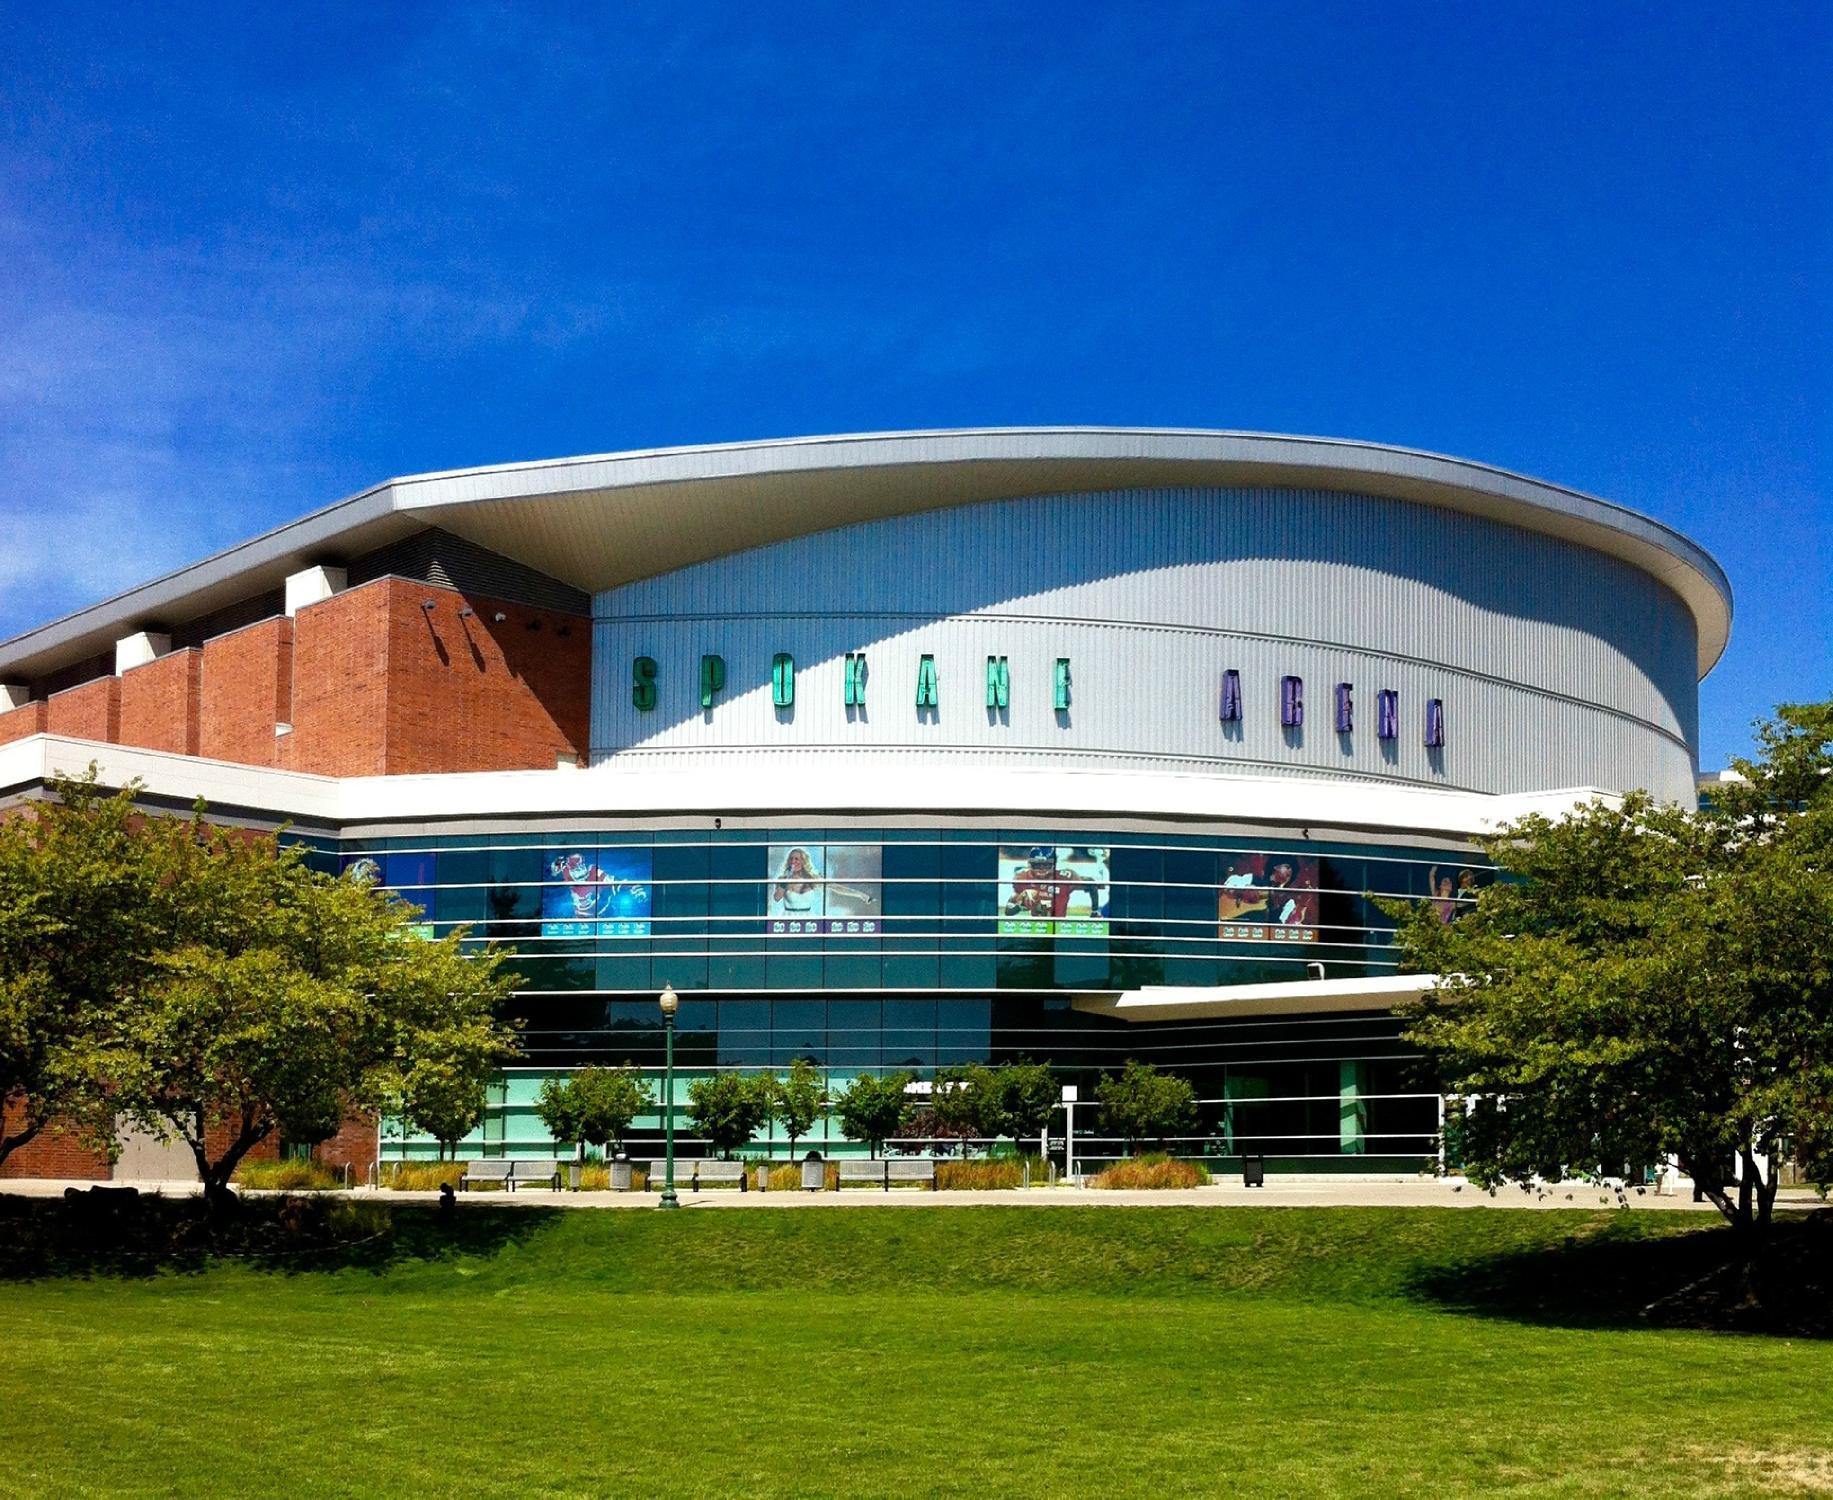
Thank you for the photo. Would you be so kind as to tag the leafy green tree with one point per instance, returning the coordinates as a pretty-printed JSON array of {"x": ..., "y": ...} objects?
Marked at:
[
  {"x": 204, "y": 982},
  {"x": 446, "y": 1097},
  {"x": 728, "y": 1109},
  {"x": 79, "y": 916},
  {"x": 798, "y": 1100},
  {"x": 871, "y": 1109},
  {"x": 594, "y": 1106},
  {"x": 1140, "y": 1103},
  {"x": 1647, "y": 982},
  {"x": 278, "y": 999},
  {"x": 557, "y": 1107},
  {"x": 1015, "y": 1100},
  {"x": 953, "y": 1108}
]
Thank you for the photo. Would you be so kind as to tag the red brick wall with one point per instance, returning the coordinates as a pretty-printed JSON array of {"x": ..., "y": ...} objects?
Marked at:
[
  {"x": 474, "y": 693},
  {"x": 219, "y": 1135},
  {"x": 247, "y": 690},
  {"x": 52, "y": 1153},
  {"x": 89, "y": 712},
  {"x": 354, "y": 1146},
  {"x": 340, "y": 685},
  {"x": 372, "y": 682},
  {"x": 17, "y": 723},
  {"x": 383, "y": 686},
  {"x": 160, "y": 703}
]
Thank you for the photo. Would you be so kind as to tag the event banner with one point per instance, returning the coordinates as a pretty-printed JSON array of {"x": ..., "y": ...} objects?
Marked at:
[
  {"x": 597, "y": 893},
  {"x": 825, "y": 888},
  {"x": 409, "y": 876},
  {"x": 1268, "y": 898},
  {"x": 1050, "y": 891}
]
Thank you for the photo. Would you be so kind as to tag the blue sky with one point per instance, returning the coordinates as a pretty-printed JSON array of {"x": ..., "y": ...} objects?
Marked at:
[{"x": 253, "y": 260}]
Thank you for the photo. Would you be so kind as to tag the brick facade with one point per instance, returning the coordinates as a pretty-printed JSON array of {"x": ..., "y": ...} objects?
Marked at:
[
  {"x": 372, "y": 682},
  {"x": 383, "y": 685},
  {"x": 52, "y": 1153},
  {"x": 89, "y": 712},
  {"x": 469, "y": 692},
  {"x": 247, "y": 692},
  {"x": 354, "y": 1146},
  {"x": 19, "y": 723},
  {"x": 161, "y": 701}
]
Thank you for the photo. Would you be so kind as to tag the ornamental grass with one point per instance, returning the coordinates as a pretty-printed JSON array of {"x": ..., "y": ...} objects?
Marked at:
[
  {"x": 978, "y": 1176},
  {"x": 292, "y": 1176},
  {"x": 1156, "y": 1170},
  {"x": 426, "y": 1176}
]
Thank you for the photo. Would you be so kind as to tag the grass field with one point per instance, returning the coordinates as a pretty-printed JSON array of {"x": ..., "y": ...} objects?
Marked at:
[{"x": 973, "y": 1351}]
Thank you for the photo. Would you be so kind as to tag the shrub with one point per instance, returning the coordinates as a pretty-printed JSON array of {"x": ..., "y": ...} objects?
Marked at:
[
  {"x": 979, "y": 1176},
  {"x": 1155, "y": 1170},
  {"x": 293, "y": 1176}
]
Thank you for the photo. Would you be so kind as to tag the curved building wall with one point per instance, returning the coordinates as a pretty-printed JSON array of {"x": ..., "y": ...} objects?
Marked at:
[{"x": 1557, "y": 665}]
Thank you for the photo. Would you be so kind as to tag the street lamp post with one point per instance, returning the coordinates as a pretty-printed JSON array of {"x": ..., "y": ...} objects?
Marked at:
[{"x": 669, "y": 1006}]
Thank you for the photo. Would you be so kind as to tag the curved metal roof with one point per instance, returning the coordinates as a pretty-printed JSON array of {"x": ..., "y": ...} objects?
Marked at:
[{"x": 607, "y": 519}]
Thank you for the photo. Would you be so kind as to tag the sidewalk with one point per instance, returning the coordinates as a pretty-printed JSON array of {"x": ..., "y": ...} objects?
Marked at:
[{"x": 1307, "y": 1193}]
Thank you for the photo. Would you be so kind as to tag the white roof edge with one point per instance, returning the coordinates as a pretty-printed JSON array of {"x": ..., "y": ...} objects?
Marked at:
[
  {"x": 1282, "y": 998},
  {"x": 1314, "y": 804},
  {"x": 1645, "y": 542}
]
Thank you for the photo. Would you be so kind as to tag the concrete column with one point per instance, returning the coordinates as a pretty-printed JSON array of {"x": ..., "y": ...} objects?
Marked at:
[
  {"x": 137, "y": 650},
  {"x": 313, "y": 585}
]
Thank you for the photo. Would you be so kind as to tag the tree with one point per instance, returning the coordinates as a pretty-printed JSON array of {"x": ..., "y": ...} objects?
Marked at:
[
  {"x": 445, "y": 1098},
  {"x": 727, "y": 1108},
  {"x": 871, "y": 1109},
  {"x": 798, "y": 1100},
  {"x": 78, "y": 919},
  {"x": 278, "y": 999},
  {"x": 1014, "y": 1100},
  {"x": 594, "y": 1106},
  {"x": 1646, "y": 982},
  {"x": 557, "y": 1107},
  {"x": 1140, "y": 1103},
  {"x": 952, "y": 1110}
]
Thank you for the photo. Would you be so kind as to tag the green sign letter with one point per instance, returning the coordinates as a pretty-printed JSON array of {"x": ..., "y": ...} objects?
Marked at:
[
  {"x": 643, "y": 682},
  {"x": 782, "y": 679},
  {"x": 926, "y": 681},
  {"x": 712, "y": 678},
  {"x": 999, "y": 683},
  {"x": 1062, "y": 683},
  {"x": 855, "y": 679}
]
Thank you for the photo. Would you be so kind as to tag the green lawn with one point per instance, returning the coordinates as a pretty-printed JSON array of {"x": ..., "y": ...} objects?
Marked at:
[{"x": 1074, "y": 1351}]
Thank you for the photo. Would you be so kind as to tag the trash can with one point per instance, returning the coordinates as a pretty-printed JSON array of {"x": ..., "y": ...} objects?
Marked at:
[
  {"x": 814, "y": 1173},
  {"x": 620, "y": 1173},
  {"x": 763, "y": 1176},
  {"x": 1253, "y": 1171},
  {"x": 572, "y": 1175}
]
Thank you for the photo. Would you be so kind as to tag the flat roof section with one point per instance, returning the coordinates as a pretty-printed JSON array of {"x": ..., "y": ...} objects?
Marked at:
[{"x": 599, "y": 521}]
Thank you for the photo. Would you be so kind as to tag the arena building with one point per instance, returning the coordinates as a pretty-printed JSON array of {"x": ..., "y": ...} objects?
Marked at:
[{"x": 901, "y": 751}]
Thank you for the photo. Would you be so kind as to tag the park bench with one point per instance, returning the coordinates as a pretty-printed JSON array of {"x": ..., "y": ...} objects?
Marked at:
[
  {"x": 885, "y": 1171},
  {"x": 692, "y": 1173},
  {"x": 512, "y": 1174}
]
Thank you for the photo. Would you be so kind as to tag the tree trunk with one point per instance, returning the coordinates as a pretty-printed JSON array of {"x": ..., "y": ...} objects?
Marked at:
[{"x": 217, "y": 1192}]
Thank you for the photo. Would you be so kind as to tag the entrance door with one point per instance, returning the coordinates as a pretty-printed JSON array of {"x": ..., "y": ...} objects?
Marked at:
[{"x": 146, "y": 1158}]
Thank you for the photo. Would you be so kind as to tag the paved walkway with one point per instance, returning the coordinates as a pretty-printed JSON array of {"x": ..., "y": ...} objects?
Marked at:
[{"x": 1279, "y": 1193}]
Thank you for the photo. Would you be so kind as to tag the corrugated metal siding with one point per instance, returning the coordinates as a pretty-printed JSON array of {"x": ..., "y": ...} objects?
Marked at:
[{"x": 1558, "y": 666}]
